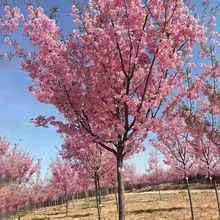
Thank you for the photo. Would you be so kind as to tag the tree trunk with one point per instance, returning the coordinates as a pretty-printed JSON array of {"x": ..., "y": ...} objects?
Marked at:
[
  {"x": 87, "y": 197},
  {"x": 107, "y": 191},
  {"x": 97, "y": 198},
  {"x": 121, "y": 189},
  {"x": 34, "y": 208},
  {"x": 158, "y": 188},
  {"x": 190, "y": 198},
  {"x": 99, "y": 194},
  {"x": 217, "y": 198},
  {"x": 66, "y": 201},
  {"x": 116, "y": 198}
]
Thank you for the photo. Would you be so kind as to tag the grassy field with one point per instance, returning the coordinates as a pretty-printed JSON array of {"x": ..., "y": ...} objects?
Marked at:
[{"x": 141, "y": 206}]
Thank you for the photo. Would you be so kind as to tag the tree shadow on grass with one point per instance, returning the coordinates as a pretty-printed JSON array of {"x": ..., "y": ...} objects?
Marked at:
[
  {"x": 141, "y": 211},
  {"x": 78, "y": 216},
  {"x": 108, "y": 199},
  {"x": 39, "y": 218},
  {"x": 55, "y": 213},
  {"x": 81, "y": 215},
  {"x": 143, "y": 201},
  {"x": 88, "y": 207}
]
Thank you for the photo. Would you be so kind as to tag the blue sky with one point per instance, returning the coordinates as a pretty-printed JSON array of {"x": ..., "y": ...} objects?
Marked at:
[{"x": 18, "y": 106}]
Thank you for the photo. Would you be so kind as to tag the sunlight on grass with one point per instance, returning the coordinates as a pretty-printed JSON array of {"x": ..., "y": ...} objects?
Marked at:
[{"x": 141, "y": 206}]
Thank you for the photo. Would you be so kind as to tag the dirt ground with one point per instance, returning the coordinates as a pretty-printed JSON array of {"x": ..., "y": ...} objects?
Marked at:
[{"x": 173, "y": 205}]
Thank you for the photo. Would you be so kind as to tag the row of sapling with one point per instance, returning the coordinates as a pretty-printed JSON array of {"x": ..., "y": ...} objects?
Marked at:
[
  {"x": 116, "y": 77},
  {"x": 17, "y": 168},
  {"x": 23, "y": 187},
  {"x": 185, "y": 155},
  {"x": 201, "y": 109},
  {"x": 184, "y": 160}
]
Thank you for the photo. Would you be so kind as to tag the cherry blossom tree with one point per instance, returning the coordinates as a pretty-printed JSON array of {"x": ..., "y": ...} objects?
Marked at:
[
  {"x": 200, "y": 108},
  {"x": 17, "y": 166},
  {"x": 110, "y": 78},
  {"x": 155, "y": 172},
  {"x": 17, "y": 170},
  {"x": 64, "y": 179},
  {"x": 209, "y": 157},
  {"x": 131, "y": 175},
  {"x": 176, "y": 149},
  {"x": 92, "y": 160}
]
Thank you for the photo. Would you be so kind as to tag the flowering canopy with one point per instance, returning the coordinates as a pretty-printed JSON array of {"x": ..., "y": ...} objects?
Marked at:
[{"x": 109, "y": 76}]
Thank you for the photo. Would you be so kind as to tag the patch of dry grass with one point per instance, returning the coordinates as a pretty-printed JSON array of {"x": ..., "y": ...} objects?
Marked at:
[{"x": 141, "y": 206}]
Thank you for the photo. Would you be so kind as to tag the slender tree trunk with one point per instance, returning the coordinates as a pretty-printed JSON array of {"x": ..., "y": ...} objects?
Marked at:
[
  {"x": 45, "y": 207},
  {"x": 97, "y": 198},
  {"x": 87, "y": 197},
  {"x": 217, "y": 198},
  {"x": 190, "y": 198},
  {"x": 121, "y": 189},
  {"x": 99, "y": 194},
  {"x": 34, "y": 209},
  {"x": 66, "y": 201},
  {"x": 116, "y": 198},
  {"x": 158, "y": 188}
]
